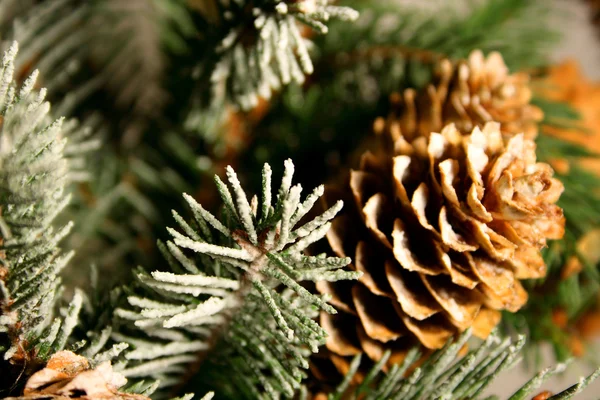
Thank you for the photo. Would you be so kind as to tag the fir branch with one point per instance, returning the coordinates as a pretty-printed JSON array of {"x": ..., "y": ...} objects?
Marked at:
[
  {"x": 226, "y": 302},
  {"x": 131, "y": 42},
  {"x": 53, "y": 40},
  {"x": 445, "y": 376},
  {"x": 390, "y": 47},
  {"x": 394, "y": 46},
  {"x": 33, "y": 177},
  {"x": 259, "y": 45},
  {"x": 37, "y": 163},
  {"x": 452, "y": 30},
  {"x": 126, "y": 43}
]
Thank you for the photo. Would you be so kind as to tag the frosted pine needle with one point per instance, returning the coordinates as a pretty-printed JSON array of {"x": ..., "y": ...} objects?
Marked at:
[{"x": 257, "y": 249}]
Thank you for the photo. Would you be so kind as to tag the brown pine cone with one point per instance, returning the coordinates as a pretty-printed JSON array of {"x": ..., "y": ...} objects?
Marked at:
[
  {"x": 469, "y": 94},
  {"x": 443, "y": 228}
]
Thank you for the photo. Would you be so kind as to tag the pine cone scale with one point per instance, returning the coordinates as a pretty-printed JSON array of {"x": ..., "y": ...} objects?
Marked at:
[
  {"x": 377, "y": 212},
  {"x": 461, "y": 305},
  {"x": 342, "y": 338},
  {"x": 403, "y": 253},
  {"x": 454, "y": 240},
  {"x": 498, "y": 277},
  {"x": 432, "y": 332},
  {"x": 485, "y": 322},
  {"x": 411, "y": 293},
  {"x": 340, "y": 295},
  {"x": 376, "y": 314},
  {"x": 470, "y": 94},
  {"x": 369, "y": 260},
  {"x": 451, "y": 260}
]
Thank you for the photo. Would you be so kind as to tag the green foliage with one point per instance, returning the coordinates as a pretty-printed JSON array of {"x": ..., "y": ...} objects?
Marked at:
[
  {"x": 453, "y": 30},
  {"x": 393, "y": 46},
  {"x": 86, "y": 48},
  {"x": 131, "y": 41},
  {"x": 254, "y": 47},
  {"x": 227, "y": 300},
  {"x": 34, "y": 174},
  {"x": 134, "y": 70},
  {"x": 445, "y": 376},
  {"x": 39, "y": 158}
]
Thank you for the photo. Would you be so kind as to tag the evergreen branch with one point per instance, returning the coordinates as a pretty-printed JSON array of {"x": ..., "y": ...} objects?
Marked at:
[
  {"x": 56, "y": 49},
  {"x": 128, "y": 43},
  {"x": 34, "y": 174},
  {"x": 445, "y": 376},
  {"x": 398, "y": 45},
  {"x": 453, "y": 31},
  {"x": 226, "y": 303},
  {"x": 390, "y": 48},
  {"x": 131, "y": 42},
  {"x": 37, "y": 163},
  {"x": 259, "y": 46}
]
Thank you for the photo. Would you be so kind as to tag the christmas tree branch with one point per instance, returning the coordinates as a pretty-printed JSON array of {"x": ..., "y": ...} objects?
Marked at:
[
  {"x": 39, "y": 158},
  {"x": 241, "y": 276},
  {"x": 34, "y": 176},
  {"x": 258, "y": 46},
  {"x": 445, "y": 375}
]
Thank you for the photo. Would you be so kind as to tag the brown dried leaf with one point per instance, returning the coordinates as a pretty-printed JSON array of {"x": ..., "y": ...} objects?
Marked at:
[
  {"x": 589, "y": 246},
  {"x": 68, "y": 375}
]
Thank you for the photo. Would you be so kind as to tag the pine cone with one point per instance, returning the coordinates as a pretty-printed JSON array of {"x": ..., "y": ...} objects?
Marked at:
[
  {"x": 444, "y": 228},
  {"x": 68, "y": 376},
  {"x": 469, "y": 94}
]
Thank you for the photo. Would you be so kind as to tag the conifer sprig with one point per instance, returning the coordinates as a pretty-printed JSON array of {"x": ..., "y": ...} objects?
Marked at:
[
  {"x": 33, "y": 176},
  {"x": 239, "y": 293},
  {"x": 39, "y": 157},
  {"x": 259, "y": 46},
  {"x": 445, "y": 376}
]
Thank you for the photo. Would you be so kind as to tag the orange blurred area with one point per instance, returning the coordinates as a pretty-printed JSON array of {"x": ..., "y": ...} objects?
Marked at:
[{"x": 567, "y": 83}]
